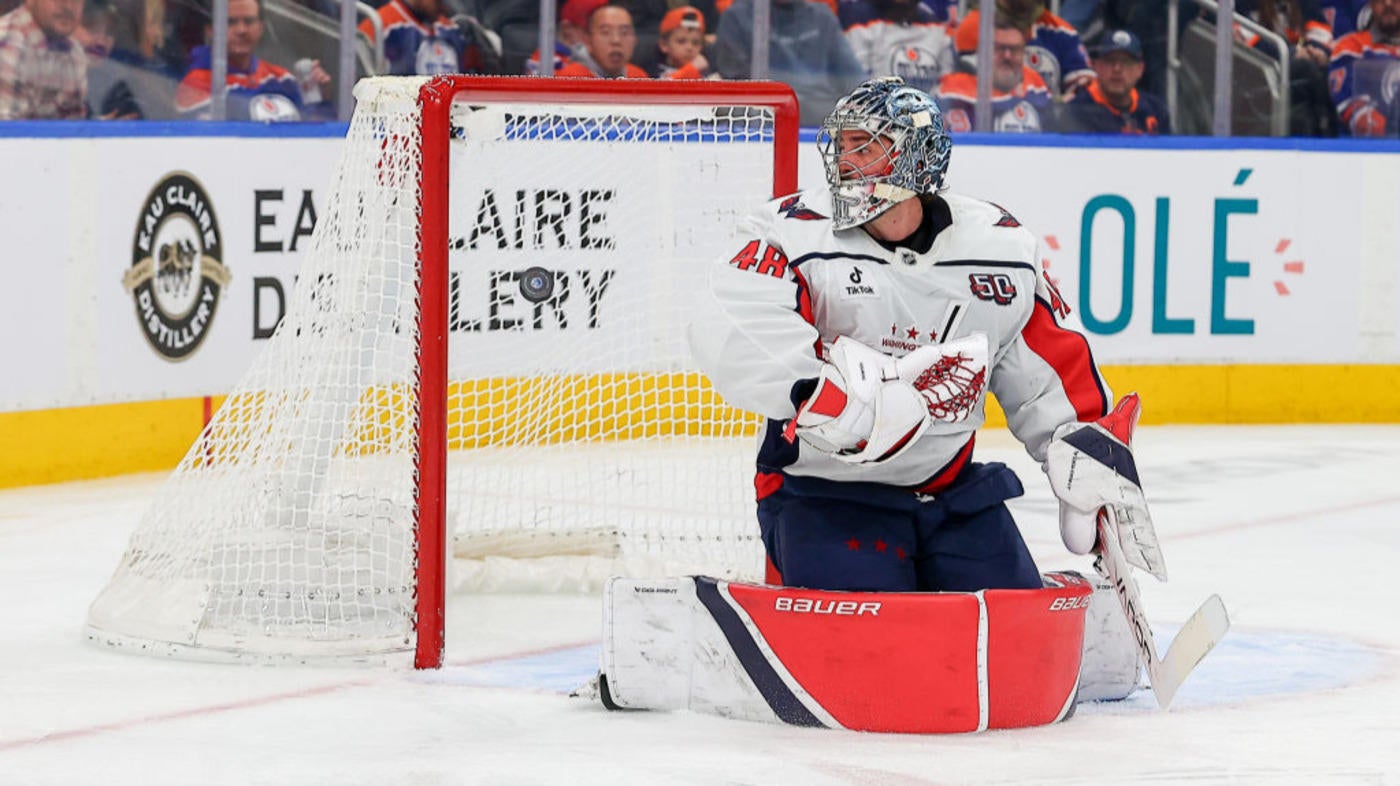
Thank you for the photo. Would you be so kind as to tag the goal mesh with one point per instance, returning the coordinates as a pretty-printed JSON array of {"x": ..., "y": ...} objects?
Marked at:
[{"x": 580, "y": 439}]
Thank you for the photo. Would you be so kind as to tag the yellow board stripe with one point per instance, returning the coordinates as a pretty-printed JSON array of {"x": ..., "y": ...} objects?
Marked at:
[{"x": 51, "y": 446}]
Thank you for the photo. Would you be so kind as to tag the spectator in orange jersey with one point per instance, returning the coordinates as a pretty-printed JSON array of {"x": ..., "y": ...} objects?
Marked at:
[
  {"x": 682, "y": 39},
  {"x": 1364, "y": 65},
  {"x": 609, "y": 43},
  {"x": 1020, "y": 99},
  {"x": 420, "y": 39},
  {"x": 569, "y": 37},
  {"x": 257, "y": 90},
  {"x": 1112, "y": 104},
  {"x": 1053, "y": 47}
]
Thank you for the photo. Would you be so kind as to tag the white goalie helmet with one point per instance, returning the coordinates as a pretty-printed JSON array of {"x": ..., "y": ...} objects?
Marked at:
[{"x": 907, "y": 123}]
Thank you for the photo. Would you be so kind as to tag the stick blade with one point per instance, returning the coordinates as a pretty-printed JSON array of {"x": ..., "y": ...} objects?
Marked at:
[{"x": 1193, "y": 642}]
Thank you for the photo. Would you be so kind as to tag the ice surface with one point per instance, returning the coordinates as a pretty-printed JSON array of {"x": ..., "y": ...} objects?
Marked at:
[{"x": 1298, "y": 529}]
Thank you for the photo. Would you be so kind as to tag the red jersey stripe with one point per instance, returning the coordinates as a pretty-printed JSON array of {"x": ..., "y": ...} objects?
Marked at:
[{"x": 1068, "y": 354}]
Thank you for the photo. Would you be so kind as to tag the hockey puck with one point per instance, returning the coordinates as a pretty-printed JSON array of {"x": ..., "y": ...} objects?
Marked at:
[{"x": 536, "y": 284}]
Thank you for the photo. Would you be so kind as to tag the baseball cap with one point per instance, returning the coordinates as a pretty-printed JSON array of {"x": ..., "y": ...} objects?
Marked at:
[
  {"x": 576, "y": 12},
  {"x": 1118, "y": 41},
  {"x": 685, "y": 16}
]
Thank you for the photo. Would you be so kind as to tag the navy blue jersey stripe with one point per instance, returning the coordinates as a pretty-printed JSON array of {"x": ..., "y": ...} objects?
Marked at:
[
  {"x": 782, "y": 701},
  {"x": 837, "y": 255},
  {"x": 1106, "y": 450},
  {"x": 984, "y": 263}
]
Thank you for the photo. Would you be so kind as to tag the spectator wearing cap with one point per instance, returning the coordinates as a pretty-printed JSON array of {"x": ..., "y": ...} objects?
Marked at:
[
  {"x": 679, "y": 48},
  {"x": 609, "y": 42},
  {"x": 1021, "y": 101},
  {"x": 1112, "y": 104},
  {"x": 569, "y": 38},
  {"x": 899, "y": 38}
]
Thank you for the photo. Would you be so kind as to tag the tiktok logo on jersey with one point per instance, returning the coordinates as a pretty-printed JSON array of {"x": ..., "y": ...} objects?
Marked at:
[
  {"x": 995, "y": 287},
  {"x": 857, "y": 288},
  {"x": 177, "y": 272}
]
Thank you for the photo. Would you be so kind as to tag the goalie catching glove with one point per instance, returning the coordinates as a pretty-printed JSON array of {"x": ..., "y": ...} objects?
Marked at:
[
  {"x": 869, "y": 406},
  {"x": 1092, "y": 473}
]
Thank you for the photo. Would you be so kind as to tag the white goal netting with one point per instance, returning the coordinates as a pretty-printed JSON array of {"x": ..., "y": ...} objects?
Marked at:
[{"x": 581, "y": 439}]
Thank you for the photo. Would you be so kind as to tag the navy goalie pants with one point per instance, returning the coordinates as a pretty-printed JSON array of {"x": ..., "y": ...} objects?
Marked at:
[{"x": 822, "y": 534}]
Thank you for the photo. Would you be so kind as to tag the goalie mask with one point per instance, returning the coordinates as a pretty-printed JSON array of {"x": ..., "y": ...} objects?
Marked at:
[{"x": 902, "y": 123}]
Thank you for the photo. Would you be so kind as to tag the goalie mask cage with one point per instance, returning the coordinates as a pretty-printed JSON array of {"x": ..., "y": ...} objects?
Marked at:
[{"x": 500, "y": 376}]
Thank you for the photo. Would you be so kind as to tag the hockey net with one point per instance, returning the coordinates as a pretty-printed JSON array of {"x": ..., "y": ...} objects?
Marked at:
[{"x": 484, "y": 361}]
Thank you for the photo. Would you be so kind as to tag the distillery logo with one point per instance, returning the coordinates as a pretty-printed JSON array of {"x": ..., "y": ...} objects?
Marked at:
[{"x": 177, "y": 270}]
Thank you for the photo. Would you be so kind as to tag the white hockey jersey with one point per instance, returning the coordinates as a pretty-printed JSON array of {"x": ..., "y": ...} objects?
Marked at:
[{"x": 792, "y": 286}]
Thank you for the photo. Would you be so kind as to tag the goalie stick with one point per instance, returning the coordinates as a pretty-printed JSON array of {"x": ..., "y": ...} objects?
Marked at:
[
  {"x": 1200, "y": 633},
  {"x": 1197, "y": 637}
]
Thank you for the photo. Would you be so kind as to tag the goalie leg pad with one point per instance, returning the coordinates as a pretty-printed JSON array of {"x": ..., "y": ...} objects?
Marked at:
[
  {"x": 1111, "y": 666},
  {"x": 962, "y": 661}
]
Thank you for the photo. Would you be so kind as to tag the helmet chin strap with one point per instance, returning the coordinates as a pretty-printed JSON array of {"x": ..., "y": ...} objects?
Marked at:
[{"x": 892, "y": 193}]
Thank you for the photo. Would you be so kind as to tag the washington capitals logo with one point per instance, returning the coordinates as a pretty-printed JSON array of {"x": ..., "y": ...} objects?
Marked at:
[
  {"x": 792, "y": 207},
  {"x": 1006, "y": 220}
]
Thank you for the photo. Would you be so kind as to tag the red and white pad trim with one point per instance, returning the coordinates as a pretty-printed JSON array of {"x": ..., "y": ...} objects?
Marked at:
[{"x": 894, "y": 662}]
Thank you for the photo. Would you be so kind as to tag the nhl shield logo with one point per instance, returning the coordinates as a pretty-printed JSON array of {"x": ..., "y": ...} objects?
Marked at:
[{"x": 177, "y": 273}]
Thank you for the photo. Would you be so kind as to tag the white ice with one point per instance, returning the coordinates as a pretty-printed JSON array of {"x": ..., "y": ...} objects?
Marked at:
[{"x": 1297, "y": 528}]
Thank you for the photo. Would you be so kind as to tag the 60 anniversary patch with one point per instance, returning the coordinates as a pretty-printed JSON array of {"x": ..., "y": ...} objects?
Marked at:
[{"x": 176, "y": 271}]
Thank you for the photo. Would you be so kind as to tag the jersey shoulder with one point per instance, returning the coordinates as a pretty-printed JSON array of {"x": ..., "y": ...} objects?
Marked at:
[
  {"x": 801, "y": 214},
  {"x": 986, "y": 231}
]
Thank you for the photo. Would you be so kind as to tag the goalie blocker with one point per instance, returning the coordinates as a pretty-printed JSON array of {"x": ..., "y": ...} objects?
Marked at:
[{"x": 891, "y": 662}]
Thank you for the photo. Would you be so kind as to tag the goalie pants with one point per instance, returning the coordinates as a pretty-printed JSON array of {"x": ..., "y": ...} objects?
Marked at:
[{"x": 823, "y": 534}]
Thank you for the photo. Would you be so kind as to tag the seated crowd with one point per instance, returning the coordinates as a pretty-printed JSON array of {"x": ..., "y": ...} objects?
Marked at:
[{"x": 98, "y": 58}]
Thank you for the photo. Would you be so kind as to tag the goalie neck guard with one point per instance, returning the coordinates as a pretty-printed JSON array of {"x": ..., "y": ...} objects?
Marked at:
[{"x": 908, "y": 123}]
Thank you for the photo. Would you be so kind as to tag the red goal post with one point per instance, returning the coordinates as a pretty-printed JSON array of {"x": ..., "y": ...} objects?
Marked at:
[
  {"x": 313, "y": 519},
  {"x": 437, "y": 97}
]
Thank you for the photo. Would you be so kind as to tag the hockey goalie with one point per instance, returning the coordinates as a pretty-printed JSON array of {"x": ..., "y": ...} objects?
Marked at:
[{"x": 867, "y": 322}]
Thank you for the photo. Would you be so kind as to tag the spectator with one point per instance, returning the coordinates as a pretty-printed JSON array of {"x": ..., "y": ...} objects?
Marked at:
[
  {"x": 899, "y": 38},
  {"x": 1364, "y": 64},
  {"x": 43, "y": 71},
  {"x": 609, "y": 42},
  {"x": 680, "y": 45},
  {"x": 257, "y": 90},
  {"x": 1301, "y": 22},
  {"x": 1021, "y": 101},
  {"x": 1053, "y": 47},
  {"x": 109, "y": 96},
  {"x": 420, "y": 39},
  {"x": 806, "y": 49},
  {"x": 1303, "y": 25},
  {"x": 570, "y": 35},
  {"x": 1112, "y": 104},
  {"x": 1148, "y": 22}
]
